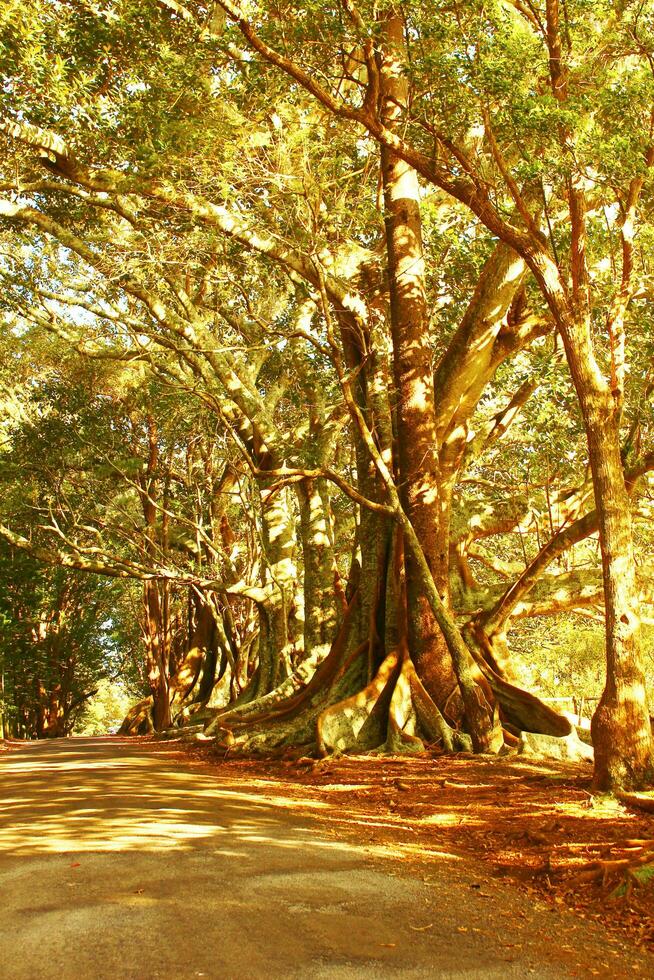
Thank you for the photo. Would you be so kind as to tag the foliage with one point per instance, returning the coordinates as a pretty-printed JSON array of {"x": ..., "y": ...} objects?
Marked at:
[
  {"x": 104, "y": 712},
  {"x": 56, "y": 641}
]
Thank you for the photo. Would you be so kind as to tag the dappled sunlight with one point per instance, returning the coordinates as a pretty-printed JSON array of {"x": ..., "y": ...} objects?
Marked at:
[
  {"x": 411, "y": 850},
  {"x": 449, "y": 820},
  {"x": 145, "y": 801},
  {"x": 151, "y": 801},
  {"x": 520, "y": 812},
  {"x": 166, "y": 855},
  {"x": 606, "y": 810},
  {"x": 303, "y": 848},
  {"x": 114, "y": 837},
  {"x": 345, "y": 787},
  {"x": 136, "y": 802},
  {"x": 27, "y": 767}
]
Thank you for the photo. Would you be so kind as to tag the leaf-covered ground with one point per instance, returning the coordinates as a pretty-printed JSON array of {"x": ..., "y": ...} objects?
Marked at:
[{"x": 535, "y": 822}]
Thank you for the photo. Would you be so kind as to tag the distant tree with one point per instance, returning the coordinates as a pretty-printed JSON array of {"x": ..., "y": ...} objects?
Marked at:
[
  {"x": 104, "y": 712},
  {"x": 57, "y": 642}
]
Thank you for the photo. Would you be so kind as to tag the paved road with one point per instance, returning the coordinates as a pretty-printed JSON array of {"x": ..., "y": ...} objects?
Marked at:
[{"x": 119, "y": 862}]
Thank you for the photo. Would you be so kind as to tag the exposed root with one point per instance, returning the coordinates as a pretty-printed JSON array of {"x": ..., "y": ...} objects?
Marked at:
[
  {"x": 360, "y": 722},
  {"x": 330, "y": 705},
  {"x": 430, "y": 720},
  {"x": 393, "y": 714},
  {"x": 261, "y": 707},
  {"x": 521, "y": 709},
  {"x": 292, "y": 722},
  {"x": 403, "y": 723},
  {"x": 276, "y": 719},
  {"x": 642, "y": 801},
  {"x": 625, "y": 866}
]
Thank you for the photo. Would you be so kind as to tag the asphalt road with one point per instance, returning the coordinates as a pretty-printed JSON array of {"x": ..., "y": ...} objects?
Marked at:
[{"x": 120, "y": 862}]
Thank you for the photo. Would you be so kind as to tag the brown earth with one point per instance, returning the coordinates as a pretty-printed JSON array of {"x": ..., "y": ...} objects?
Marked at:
[
  {"x": 138, "y": 859},
  {"x": 535, "y": 823}
]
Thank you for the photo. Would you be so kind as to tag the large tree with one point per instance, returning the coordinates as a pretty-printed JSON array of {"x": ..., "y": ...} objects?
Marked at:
[
  {"x": 364, "y": 347},
  {"x": 492, "y": 59}
]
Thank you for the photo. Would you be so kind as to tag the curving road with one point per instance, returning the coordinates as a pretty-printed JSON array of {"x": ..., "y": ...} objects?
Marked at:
[{"x": 117, "y": 861}]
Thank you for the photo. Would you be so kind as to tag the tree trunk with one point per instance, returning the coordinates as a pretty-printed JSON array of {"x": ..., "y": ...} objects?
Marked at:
[
  {"x": 276, "y": 639},
  {"x": 199, "y": 654},
  {"x": 320, "y": 611},
  {"x": 413, "y": 377},
  {"x": 157, "y": 656},
  {"x": 621, "y": 729}
]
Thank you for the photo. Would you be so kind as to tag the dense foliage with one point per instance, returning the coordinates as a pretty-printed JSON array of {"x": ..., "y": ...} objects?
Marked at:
[{"x": 57, "y": 640}]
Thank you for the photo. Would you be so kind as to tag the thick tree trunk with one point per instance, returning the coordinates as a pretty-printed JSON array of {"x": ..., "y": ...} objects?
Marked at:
[
  {"x": 199, "y": 658},
  {"x": 371, "y": 391},
  {"x": 155, "y": 599},
  {"x": 157, "y": 658},
  {"x": 413, "y": 377},
  {"x": 276, "y": 631},
  {"x": 621, "y": 729}
]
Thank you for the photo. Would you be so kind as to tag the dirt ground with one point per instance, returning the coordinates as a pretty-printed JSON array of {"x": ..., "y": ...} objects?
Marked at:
[
  {"x": 534, "y": 823},
  {"x": 158, "y": 860}
]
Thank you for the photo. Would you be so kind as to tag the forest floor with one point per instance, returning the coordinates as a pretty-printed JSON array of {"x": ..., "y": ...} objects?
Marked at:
[
  {"x": 144, "y": 859},
  {"x": 535, "y": 823}
]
